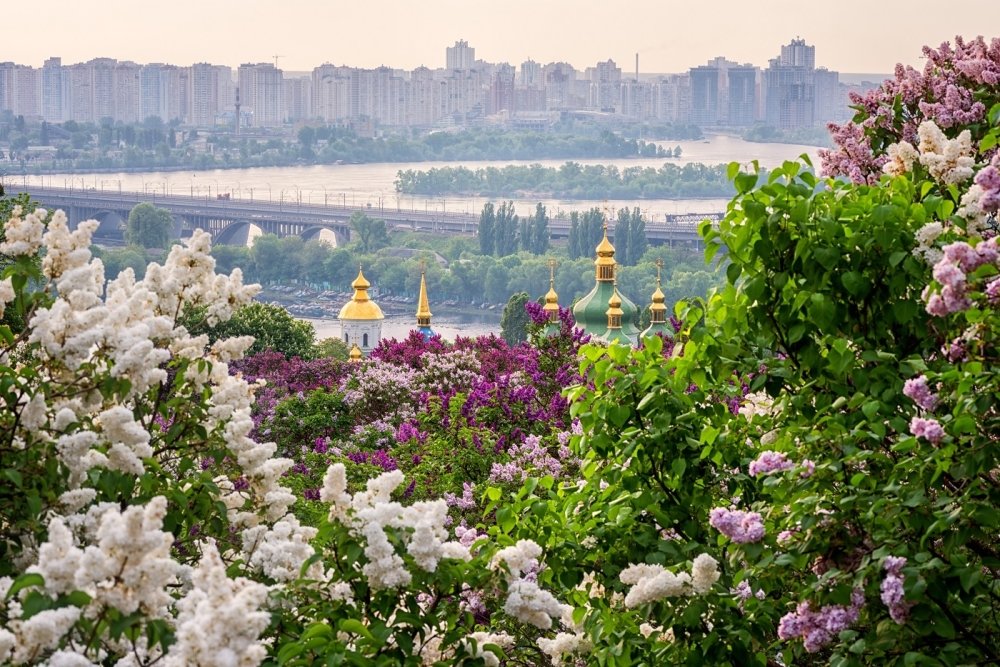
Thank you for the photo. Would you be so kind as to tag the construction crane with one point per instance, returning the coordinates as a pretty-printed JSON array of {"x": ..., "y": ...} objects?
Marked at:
[{"x": 276, "y": 61}]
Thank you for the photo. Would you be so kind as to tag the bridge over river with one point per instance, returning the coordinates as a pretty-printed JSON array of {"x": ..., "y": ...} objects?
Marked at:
[{"x": 235, "y": 221}]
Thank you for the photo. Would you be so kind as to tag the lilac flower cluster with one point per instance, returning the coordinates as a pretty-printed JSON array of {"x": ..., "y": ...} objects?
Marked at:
[
  {"x": 893, "y": 594},
  {"x": 818, "y": 627},
  {"x": 379, "y": 458},
  {"x": 959, "y": 259},
  {"x": 529, "y": 457},
  {"x": 920, "y": 393},
  {"x": 769, "y": 462},
  {"x": 467, "y": 501},
  {"x": 739, "y": 526},
  {"x": 944, "y": 92},
  {"x": 929, "y": 429}
]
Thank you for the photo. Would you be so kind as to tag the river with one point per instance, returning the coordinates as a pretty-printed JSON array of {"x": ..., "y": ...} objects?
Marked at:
[
  {"x": 399, "y": 327},
  {"x": 374, "y": 184}
]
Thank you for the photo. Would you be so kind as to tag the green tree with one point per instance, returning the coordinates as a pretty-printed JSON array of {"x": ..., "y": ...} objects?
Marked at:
[
  {"x": 505, "y": 230},
  {"x": 514, "y": 321},
  {"x": 272, "y": 326},
  {"x": 149, "y": 226},
  {"x": 623, "y": 238},
  {"x": 487, "y": 221},
  {"x": 371, "y": 233},
  {"x": 539, "y": 231},
  {"x": 637, "y": 243}
]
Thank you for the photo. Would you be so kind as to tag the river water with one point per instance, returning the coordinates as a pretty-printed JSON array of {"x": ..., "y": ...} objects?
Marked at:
[
  {"x": 373, "y": 185},
  {"x": 399, "y": 327}
]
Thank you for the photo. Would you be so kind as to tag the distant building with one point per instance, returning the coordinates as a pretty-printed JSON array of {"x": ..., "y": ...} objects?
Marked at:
[
  {"x": 52, "y": 91},
  {"x": 261, "y": 86},
  {"x": 461, "y": 56},
  {"x": 705, "y": 85}
]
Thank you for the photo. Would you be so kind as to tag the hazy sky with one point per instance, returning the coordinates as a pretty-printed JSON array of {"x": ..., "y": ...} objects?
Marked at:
[{"x": 669, "y": 35}]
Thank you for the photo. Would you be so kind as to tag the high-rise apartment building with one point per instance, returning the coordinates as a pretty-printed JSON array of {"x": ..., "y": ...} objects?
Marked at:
[
  {"x": 705, "y": 85},
  {"x": 52, "y": 91},
  {"x": 605, "y": 85},
  {"x": 128, "y": 79},
  {"x": 460, "y": 56},
  {"x": 261, "y": 94},
  {"x": 531, "y": 75},
  {"x": 741, "y": 106},
  {"x": 790, "y": 87},
  {"x": 298, "y": 98}
]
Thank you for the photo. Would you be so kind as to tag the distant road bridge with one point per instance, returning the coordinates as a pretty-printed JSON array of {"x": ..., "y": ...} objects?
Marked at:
[{"x": 234, "y": 221}]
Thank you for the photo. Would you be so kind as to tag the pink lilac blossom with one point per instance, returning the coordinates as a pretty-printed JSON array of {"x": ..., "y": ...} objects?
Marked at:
[
  {"x": 893, "y": 595},
  {"x": 739, "y": 526},
  {"x": 818, "y": 627},
  {"x": 807, "y": 469},
  {"x": 769, "y": 462},
  {"x": 467, "y": 501},
  {"x": 944, "y": 92},
  {"x": 921, "y": 394},
  {"x": 928, "y": 429}
]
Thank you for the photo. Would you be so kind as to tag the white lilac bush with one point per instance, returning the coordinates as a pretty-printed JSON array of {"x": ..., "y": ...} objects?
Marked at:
[{"x": 142, "y": 525}]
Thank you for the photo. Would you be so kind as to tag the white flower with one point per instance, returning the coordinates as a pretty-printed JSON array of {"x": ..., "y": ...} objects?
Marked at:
[
  {"x": 948, "y": 161},
  {"x": 564, "y": 643},
  {"x": 23, "y": 235},
  {"x": 530, "y": 604},
  {"x": 41, "y": 632},
  {"x": 481, "y": 639},
  {"x": 281, "y": 550},
  {"x": 704, "y": 573},
  {"x": 651, "y": 583},
  {"x": 219, "y": 621},
  {"x": 901, "y": 158},
  {"x": 518, "y": 558},
  {"x": 7, "y": 293}
]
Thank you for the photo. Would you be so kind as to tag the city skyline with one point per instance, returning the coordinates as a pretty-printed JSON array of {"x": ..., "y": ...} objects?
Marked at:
[{"x": 668, "y": 36}]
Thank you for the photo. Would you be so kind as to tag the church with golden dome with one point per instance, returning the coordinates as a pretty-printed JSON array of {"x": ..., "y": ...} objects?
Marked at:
[
  {"x": 361, "y": 318},
  {"x": 605, "y": 312}
]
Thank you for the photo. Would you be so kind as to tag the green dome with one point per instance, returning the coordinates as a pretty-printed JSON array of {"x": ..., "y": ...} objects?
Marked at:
[
  {"x": 664, "y": 329},
  {"x": 591, "y": 312}
]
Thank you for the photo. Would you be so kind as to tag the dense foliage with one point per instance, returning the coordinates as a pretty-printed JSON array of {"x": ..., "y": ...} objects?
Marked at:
[
  {"x": 571, "y": 181},
  {"x": 806, "y": 472}
]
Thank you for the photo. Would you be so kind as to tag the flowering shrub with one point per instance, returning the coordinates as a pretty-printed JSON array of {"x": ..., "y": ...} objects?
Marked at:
[{"x": 808, "y": 475}]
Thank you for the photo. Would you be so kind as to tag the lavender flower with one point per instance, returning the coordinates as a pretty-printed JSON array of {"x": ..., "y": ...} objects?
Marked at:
[{"x": 739, "y": 526}]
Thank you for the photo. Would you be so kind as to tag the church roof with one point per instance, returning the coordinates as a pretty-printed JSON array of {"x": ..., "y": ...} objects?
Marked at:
[{"x": 361, "y": 307}]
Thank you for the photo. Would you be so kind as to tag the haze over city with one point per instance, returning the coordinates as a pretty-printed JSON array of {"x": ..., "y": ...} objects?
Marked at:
[{"x": 669, "y": 36}]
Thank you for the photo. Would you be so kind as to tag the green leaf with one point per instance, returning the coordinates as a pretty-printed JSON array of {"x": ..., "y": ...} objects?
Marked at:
[
  {"x": 24, "y": 581},
  {"x": 745, "y": 182},
  {"x": 355, "y": 627},
  {"x": 855, "y": 283}
]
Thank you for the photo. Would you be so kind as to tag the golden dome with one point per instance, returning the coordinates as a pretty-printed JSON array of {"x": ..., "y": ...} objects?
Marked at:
[
  {"x": 604, "y": 248},
  {"x": 356, "y": 354},
  {"x": 551, "y": 297},
  {"x": 615, "y": 304},
  {"x": 360, "y": 282},
  {"x": 658, "y": 296},
  {"x": 361, "y": 307}
]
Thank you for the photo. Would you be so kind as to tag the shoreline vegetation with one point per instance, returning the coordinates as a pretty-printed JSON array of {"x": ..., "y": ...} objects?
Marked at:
[
  {"x": 154, "y": 146},
  {"x": 570, "y": 181}
]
